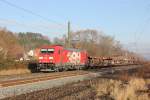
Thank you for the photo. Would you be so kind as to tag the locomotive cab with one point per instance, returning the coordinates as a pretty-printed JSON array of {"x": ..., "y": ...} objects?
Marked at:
[
  {"x": 46, "y": 55},
  {"x": 49, "y": 58}
]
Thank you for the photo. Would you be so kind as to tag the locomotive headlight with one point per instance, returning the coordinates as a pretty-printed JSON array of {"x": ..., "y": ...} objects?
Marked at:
[
  {"x": 40, "y": 57},
  {"x": 50, "y": 57}
]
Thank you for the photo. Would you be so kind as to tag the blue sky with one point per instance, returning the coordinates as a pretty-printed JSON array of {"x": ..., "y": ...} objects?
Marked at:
[{"x": 127, "y": 20}]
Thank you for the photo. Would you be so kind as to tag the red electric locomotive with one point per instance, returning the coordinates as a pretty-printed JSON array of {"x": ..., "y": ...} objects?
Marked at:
[{"x": 57, "y": 58}]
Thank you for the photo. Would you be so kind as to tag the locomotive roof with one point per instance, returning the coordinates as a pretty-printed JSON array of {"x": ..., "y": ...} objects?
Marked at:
[
  {"x": 73, "y": 49},
  {"x": 49, "y": 46}
]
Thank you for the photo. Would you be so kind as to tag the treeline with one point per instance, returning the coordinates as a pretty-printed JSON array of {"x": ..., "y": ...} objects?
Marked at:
[
  {"x": 15, "y": 45},
  {"x": 95, "y": 42},
  {"x": 9, "y": 45},
  {"x": 10, "y": 49},
  {"x": 31, "y": 40}
]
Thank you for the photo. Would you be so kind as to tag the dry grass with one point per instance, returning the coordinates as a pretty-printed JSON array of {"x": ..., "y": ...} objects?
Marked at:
[
  {"x": 141, "y": 72},
  {"x": 144, "y": 71},
  {"x": 10, "y": 67},
  {"x": 119, "y": 91},
  {"x": 14, "y": 71}
]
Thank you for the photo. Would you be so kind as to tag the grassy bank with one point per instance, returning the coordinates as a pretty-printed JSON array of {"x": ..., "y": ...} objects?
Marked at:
[
  {"x": 14, "y": 71},
  {"x": 10, "y": 67}
]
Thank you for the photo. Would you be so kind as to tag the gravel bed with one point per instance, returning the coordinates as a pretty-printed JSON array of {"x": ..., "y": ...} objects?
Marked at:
[
  {"x": 72, "y": 91},
  {"x": 30, "y": 87}
]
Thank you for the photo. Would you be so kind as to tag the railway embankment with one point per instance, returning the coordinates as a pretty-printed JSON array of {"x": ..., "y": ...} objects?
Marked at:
[{"x": 106, "y": 83}]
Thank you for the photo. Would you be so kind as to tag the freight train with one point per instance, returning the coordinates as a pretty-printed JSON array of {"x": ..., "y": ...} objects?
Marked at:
[{"x": 59, "y": 58}]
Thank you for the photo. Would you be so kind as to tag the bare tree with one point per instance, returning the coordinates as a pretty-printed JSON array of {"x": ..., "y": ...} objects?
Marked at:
[
  {"x": 9, "y": 44},
  {"x": 96, "y": 43}
]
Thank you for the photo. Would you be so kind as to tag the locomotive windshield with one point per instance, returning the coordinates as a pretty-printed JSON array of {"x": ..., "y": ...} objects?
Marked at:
[
  {"x": 47, "y": 50},
  {"x": 50, "y": 50}
]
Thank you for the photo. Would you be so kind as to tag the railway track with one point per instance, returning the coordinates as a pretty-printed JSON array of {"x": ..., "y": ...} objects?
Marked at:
[
  {"x": 42, "y": 81},
  {"x": 50, "y": 76},
  {"x": 9, "y": 83}
]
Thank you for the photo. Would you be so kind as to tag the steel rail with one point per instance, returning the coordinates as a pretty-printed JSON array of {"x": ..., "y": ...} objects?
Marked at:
[{"x": 38, "y": 79}]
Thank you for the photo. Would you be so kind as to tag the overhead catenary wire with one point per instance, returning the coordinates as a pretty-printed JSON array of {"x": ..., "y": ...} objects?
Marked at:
[
  {"x": 62, "y": 26},
  {"x": 31, "y": 12},
  {"x": 16, "y": 23}
]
